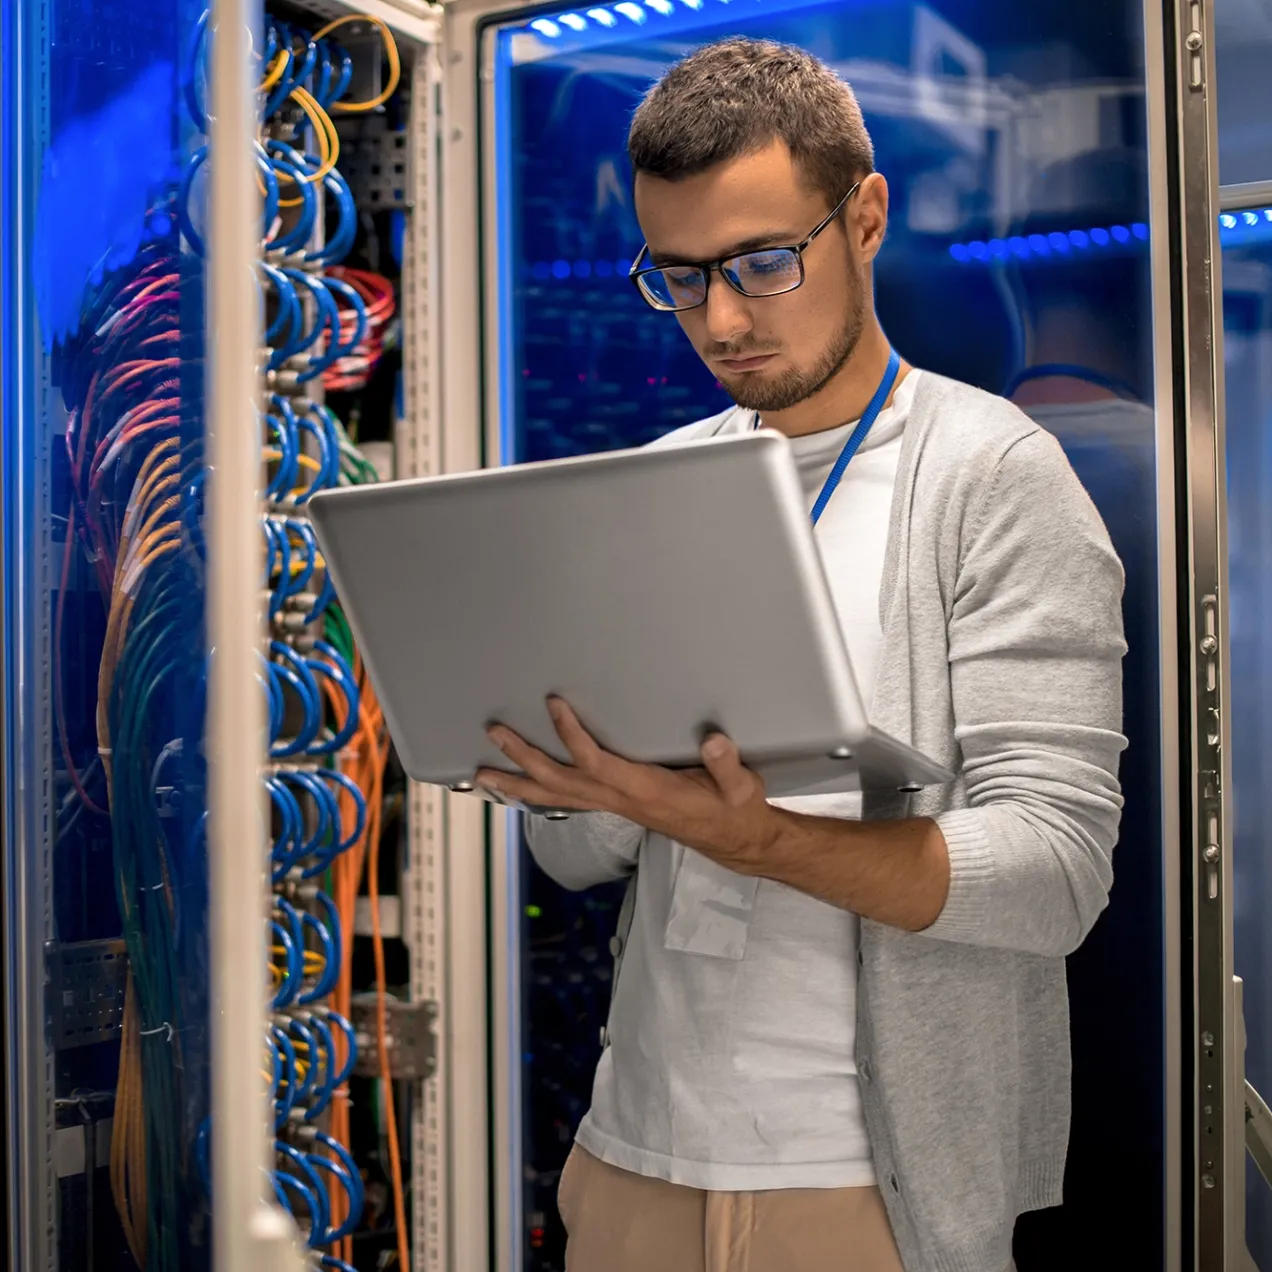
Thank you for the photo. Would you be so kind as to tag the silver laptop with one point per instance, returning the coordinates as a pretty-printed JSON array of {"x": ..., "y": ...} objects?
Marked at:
[{"x": 661, "y": 592}]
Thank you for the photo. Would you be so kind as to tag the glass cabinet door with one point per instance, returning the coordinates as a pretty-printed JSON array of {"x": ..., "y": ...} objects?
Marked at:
[
  {"x": 106, "y": 890},
  {"x": 1247, "y": 279},
  {"x": 1014, "y": 141}
]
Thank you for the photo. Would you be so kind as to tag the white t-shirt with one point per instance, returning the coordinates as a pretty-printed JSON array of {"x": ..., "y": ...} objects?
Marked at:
[{"x": 731, "y": 1063}]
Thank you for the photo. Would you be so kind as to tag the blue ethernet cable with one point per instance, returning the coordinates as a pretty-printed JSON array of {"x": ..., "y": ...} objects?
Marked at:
[
  {"x": 327, "y": 817},
  {"x": 288, "y": 320},
  {"x": 329, "y": 937},
  {"x": 351, "y": 1044},
  {"x": 334, "y": 1146},
  {"x": 287, "y": 163},
  {"x": 331, "y": 1235},
  {"x": 319, "y": 1188},
  {"x": 306, "y": 1039},
  {"x": 310, "y": 1196},
  {"x": 326, "y": 595},
  {"x": 340, "y": 240},
  {"x": 295, "y": 528},
  {"x": 326, "y": 982},
  {"x": 338, "y": 349},
  {"x": 328, "y": 316},
  {"x": 338, "y": 670},
  {"x": 328, "y": 469},
  {"x": 302, "y": 684},
  {"x": 345, "y": 782},
  {"x": 323, "y": 1100},
  {"x": 284, "y": 478},
  {"x": 321, "y": 86},
  {"x": 284, "y": 1045},
  {"x": 182, "y": 205},
  {"x": 291, "y": 982},
  {"x": 291, "y": 821}
]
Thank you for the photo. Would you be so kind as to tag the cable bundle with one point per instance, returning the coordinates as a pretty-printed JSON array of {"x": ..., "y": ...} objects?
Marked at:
[
  {"x": 133, "y": 469},
  {"x": 354, "y": 369},
  {"x": 325, "y": 328}
]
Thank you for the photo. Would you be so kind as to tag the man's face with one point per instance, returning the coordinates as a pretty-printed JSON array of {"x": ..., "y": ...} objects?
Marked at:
[{"x": 770, "y": 352}]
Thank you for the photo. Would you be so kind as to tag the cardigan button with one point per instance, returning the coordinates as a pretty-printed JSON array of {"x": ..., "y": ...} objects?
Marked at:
[
  {"x": 863, "y": 1069},
  {"x": 894, "y": 1183},
  {"x": 615, "y": 946}
]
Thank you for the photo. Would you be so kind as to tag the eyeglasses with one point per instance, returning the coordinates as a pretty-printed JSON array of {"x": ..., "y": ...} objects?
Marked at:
[{"x": 771, "y": 271}]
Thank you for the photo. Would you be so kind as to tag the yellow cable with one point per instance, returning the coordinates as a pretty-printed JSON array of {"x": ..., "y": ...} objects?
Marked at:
[
  {"x": 390, "y": 51},
  {"x": 272, "y": 453},
  {"x": 328, "y": 143},
  {"x": 281, "y": 63},
  {"x": 128, "y": 1144}
]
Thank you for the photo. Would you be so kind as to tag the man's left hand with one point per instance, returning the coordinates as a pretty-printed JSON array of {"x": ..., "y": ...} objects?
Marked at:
[{"x": 720, "y": 810}]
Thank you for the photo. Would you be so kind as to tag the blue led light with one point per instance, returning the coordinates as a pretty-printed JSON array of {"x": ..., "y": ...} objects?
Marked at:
[
  {"x": 1247, "y": 226},
  {"x": 604, "y": 23},
  {"x": 560, "y": 269},
  {"x": 582, "y": 269},
  {"x": 1253, "y": 225},
  {"x": 1049, "y": 246},
  {"x": 604, "y": 269}
]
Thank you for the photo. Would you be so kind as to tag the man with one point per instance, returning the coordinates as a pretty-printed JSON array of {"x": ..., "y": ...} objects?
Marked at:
[{"x": 839, "y": 1037}]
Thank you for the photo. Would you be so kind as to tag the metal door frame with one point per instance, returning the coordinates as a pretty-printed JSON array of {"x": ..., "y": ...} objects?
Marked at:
[
  {"x": 1199, "y": 1222},
  {"x": 1211, "y": 1163}
]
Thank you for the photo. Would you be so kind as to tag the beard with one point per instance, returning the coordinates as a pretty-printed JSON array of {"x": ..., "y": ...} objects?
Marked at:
[{"x": 798, "y": 385}]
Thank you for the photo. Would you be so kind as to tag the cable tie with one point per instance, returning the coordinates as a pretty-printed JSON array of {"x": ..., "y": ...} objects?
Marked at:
[{"x": 165, "y": 1027}]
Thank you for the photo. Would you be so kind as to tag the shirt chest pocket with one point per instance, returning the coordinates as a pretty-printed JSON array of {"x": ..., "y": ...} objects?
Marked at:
[{"x": 710, "y": 908}]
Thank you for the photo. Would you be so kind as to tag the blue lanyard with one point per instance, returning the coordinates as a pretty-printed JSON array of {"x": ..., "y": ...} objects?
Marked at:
[{"x": 853, "y": 444}]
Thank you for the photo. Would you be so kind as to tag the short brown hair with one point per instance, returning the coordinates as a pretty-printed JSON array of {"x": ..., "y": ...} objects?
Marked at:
[{"x": 738, "y": 95}]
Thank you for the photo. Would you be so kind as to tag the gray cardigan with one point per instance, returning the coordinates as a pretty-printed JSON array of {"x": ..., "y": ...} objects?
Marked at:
[{"x": 1001, "y": 659}]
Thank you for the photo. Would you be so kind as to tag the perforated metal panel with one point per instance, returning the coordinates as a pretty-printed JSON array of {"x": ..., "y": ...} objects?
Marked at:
[
  {"x": 417, "y": 441},
  {"x": 376, "y": 160},
  {"x": 85, "y": 992}
]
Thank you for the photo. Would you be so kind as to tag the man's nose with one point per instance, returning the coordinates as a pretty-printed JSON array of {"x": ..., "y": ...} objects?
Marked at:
[{"x": 728, "y": 314}]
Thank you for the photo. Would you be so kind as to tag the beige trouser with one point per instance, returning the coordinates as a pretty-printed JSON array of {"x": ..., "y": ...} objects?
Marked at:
[{"x": 620, "y": 1222}]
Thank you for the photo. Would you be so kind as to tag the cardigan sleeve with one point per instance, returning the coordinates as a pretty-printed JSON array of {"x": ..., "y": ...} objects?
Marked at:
[{"x": 1035, "y": 649}]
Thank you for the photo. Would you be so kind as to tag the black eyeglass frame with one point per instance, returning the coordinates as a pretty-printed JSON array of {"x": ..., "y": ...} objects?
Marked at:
[{"x": 707, "y": 268}]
